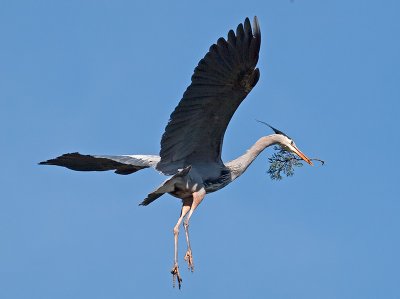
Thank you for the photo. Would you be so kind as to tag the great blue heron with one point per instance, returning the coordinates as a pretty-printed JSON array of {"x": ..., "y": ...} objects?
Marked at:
[{"x": 192, "y": 142}]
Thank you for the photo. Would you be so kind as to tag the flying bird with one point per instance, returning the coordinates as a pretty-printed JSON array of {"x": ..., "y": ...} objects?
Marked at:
[{"x": 192, "y": 142}]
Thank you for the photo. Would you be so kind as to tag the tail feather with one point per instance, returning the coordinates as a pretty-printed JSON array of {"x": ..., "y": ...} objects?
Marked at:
[
  {"x": 166, "y": 187},
  {"x": 152, "y": 197}
]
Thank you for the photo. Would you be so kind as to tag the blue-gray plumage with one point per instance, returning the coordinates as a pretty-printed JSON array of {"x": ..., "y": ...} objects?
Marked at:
[{"x": 192, "y": 142}]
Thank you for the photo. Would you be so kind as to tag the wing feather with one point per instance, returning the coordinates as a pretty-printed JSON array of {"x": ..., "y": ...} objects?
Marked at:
[
  {"x": 125, "y": 164},
  {"x": 220, "y": 82}
]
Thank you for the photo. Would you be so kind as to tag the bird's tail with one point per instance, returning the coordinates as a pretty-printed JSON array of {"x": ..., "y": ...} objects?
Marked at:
[
  {"x": 166, "y": 187},
  {"x": 125, "y": 164}
]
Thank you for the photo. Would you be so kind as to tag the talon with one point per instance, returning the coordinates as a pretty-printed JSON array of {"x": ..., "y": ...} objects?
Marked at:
[
  {"x": 176, "y": 276},
  {"x": 189, "y": 259}
]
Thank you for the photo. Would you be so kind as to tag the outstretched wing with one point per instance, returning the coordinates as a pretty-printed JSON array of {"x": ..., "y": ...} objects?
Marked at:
[
  {"x": 126, "y": 164},
  {"x": 220, "y": 82}
]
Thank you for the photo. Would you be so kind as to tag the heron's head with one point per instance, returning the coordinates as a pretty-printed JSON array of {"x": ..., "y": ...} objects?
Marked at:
[{"x": 288, "y": 144}]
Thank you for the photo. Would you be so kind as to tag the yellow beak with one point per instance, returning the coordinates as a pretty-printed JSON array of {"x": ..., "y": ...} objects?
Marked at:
[{"x": 301, "y": 155}]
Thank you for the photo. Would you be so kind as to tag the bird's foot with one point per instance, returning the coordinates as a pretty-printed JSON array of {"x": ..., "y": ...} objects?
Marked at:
[
  {"x": 176, "y": 276},
  {"x": 189, "y": 259}
]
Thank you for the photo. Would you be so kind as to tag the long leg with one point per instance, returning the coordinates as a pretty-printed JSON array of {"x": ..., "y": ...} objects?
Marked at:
[
  {"x": 175, "y": 269},
  {"x": 197, "y": 198}
]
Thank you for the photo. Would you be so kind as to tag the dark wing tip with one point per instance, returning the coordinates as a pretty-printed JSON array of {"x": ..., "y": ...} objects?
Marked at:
[
  {"x": 247, "y": 25},
  {"x": 256, "y": 29},
  {"x": 256, "y": 26},
  {"x": 240, "y": 31},
  {"x": 57, "y": 160}
]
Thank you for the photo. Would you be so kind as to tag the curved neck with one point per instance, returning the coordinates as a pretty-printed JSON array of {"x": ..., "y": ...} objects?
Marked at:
[{"x": 240, "y": 164}]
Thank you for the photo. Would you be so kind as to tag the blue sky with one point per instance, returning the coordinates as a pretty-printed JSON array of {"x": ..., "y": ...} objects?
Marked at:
[{"x": 103, "y": 77}]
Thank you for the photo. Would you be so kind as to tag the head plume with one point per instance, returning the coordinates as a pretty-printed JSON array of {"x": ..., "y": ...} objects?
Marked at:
[{"x": 274, "y": 129}]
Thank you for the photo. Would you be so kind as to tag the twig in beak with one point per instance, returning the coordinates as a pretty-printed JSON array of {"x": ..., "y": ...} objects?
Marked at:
[{"x": 319, "y": 160}]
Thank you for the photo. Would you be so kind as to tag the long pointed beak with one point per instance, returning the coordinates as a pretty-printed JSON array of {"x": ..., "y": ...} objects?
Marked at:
[{"x": 301, "y": 155}]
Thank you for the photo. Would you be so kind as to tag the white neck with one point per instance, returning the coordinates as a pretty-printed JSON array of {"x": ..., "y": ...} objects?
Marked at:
[{"x": 240, "y": 164}]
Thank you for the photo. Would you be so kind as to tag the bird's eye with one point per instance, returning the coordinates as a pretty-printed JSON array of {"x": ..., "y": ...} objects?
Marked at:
[{"x": 292, "y": 142}]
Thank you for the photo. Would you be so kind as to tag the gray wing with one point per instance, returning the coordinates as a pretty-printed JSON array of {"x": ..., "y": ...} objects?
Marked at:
[
  {"x": 125, "y": 164},
  {"x": 220, "y": 82}
]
